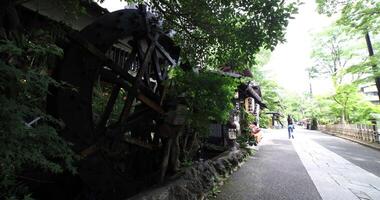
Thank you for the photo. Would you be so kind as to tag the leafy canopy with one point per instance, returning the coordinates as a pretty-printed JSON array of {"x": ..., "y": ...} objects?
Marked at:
[
  {"x": 208, "y": 95},
  {"x": 359, "y": 15},
  {"x": 334, "y": 51},
  {"x": 214, "y": 33},
  {"x": 23, "y": 87}
]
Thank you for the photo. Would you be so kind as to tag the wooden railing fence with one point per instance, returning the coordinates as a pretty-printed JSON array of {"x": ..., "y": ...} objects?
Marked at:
[{"x": 362, "y": 132}]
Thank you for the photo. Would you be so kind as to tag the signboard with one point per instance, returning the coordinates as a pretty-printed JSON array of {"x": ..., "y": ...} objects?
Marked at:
[{"x": 249, "y": 103}]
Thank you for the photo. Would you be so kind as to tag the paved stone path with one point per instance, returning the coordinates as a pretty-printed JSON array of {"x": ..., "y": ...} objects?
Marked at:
[{"x": 304, "y": 169}]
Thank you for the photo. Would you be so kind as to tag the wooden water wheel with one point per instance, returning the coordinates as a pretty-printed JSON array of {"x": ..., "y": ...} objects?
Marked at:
[{"x": 113, "y": 103}]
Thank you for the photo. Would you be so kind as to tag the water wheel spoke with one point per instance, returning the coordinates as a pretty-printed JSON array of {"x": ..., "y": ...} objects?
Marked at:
[
  {"x": 165, "y": 54},
  {"x": 157, "y": 68},
  {"x": 109, "y": 76},
  {"x": 132, "y": 57},
  {"x": 133, "y": 92},
  {"x": 146, "y": 56},
  {"x": 101, "y": 125},
  {"x": 101, "y": 56},
  {"x": 154, "y": 105}
]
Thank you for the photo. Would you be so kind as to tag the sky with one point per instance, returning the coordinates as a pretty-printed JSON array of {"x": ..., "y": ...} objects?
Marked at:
[
  {"x": 113, "y": 5},
  {"x": 290, "y": 59}
]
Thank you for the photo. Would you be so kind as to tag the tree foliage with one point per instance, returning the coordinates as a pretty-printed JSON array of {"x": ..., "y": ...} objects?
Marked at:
[
  {"x": 208, "y": 95},
  {"x": 334, "y": 51},
  {"x": 214, "y": 33},
  {"x": 359, "y": 15},
  {"x": 349, "y": 105},
  {"x": 345, "y": 97},
  {"x": 359, "y": 18},
  {"x": 23, "y": 87},
  {"x": 346, "y": 105}
]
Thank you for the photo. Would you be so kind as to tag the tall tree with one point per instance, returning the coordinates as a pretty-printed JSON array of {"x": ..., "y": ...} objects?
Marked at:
[
  {"x": 333, "y": 52},
  {"x": 330, "y": 54},
  {"x": 360, "y": 16}
]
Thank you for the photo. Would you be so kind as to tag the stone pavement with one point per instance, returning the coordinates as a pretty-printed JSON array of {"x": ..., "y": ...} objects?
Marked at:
[
  {"x": 275, "y": 172},
  {"x": 304, "y": 169},
  {"x": 372, "y": 145},
  {"x": 334, "y": 177}
]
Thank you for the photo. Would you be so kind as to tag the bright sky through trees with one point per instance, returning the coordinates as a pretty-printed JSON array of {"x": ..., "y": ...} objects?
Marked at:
[{"x": 290, "y": 59}]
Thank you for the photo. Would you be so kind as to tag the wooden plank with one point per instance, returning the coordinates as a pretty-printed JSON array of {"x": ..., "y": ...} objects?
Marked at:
[
  {"x": 155, "y": 106},
  {"x": 100, "y": 127},
  {"x": 76, "y": 37},
  {"x": 140, "y": 143},
  {"x": 88, "y": 151},
  {"x": 166, "y": 54}
]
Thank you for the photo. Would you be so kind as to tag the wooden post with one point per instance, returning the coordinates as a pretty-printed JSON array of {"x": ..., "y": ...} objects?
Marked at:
[
  {"x": 375, "y": 129},
  {"x": 165, "y": 160}
]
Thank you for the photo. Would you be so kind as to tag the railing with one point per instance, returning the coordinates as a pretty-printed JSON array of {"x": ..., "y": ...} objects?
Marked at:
[{"x": 362, "y": 132}]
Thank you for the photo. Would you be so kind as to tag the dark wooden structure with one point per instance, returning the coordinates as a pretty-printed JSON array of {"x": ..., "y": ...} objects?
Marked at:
[
  {"x": 131, "y": 141},
  {"x": 248, "y": 97},
  {"x": 276, "y": 119}
]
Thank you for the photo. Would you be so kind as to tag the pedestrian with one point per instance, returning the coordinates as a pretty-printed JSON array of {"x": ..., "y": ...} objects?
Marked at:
[{"x": 290, "y": 127}]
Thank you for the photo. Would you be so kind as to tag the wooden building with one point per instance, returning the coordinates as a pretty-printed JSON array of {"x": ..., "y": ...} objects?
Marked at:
[{"x": 249, "y": 98}]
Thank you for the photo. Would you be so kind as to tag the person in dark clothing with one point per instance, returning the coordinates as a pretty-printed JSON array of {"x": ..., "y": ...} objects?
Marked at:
[{"x": 290, "y": 127}]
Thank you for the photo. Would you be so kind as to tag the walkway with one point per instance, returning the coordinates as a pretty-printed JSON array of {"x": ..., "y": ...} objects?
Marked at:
[{"x": 312, "y": 166}]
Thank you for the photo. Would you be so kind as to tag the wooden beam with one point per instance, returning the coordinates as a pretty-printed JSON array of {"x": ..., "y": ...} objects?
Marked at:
[
  {"x": 155, "y": 106},
  {"x": 76, "y": 37},
  {"x": 140, "y": 143}
]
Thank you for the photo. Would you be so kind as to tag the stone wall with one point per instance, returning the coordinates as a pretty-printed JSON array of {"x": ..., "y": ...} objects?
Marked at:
[{"x": 198, "y": 180}]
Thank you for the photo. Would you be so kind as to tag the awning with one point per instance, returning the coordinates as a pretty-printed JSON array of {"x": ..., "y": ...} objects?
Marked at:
[{"x": 250, "y": 92}]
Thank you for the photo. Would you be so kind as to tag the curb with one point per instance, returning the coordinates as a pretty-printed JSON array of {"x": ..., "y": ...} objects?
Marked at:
[
  {"x": 354, "y": 140},
  {"x": 199, "y": 182}
]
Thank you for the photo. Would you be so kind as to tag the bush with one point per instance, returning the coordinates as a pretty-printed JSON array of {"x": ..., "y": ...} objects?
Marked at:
[
  {"x": 24, "y": 82},
  {"x": 208, "y": 96}
]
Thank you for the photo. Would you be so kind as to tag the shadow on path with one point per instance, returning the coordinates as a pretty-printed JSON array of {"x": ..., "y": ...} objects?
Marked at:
[{"x": 275, "y": 172}]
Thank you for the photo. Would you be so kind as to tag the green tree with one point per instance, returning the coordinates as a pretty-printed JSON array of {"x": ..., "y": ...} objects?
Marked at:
[
  {"x": 296, "y": 105},
  {"x": 28, "y": 136},
  {"x": 271, "y": 96},
  {"x": 351, "y": 105},
  {"x": 346, "y": 105},
  {"x": 215, "y": 33},
  {"x": 333, "y": 52},
  {"x": 346, "y": 97},
  {"x": 208, "y": 95},
  {"x": 360, "y": 17},
  {"x": 320, "y": 108}
]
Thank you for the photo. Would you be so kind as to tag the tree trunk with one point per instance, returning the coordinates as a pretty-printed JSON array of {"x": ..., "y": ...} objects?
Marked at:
[{"x": 371, "y": 53}]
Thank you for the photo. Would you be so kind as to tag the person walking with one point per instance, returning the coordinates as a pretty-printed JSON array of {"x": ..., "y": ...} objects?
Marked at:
[{"x": 290, "y": 127}]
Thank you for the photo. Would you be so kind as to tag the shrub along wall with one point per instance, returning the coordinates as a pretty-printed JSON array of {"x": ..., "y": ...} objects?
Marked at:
[{"x": 200, "y": 180}]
